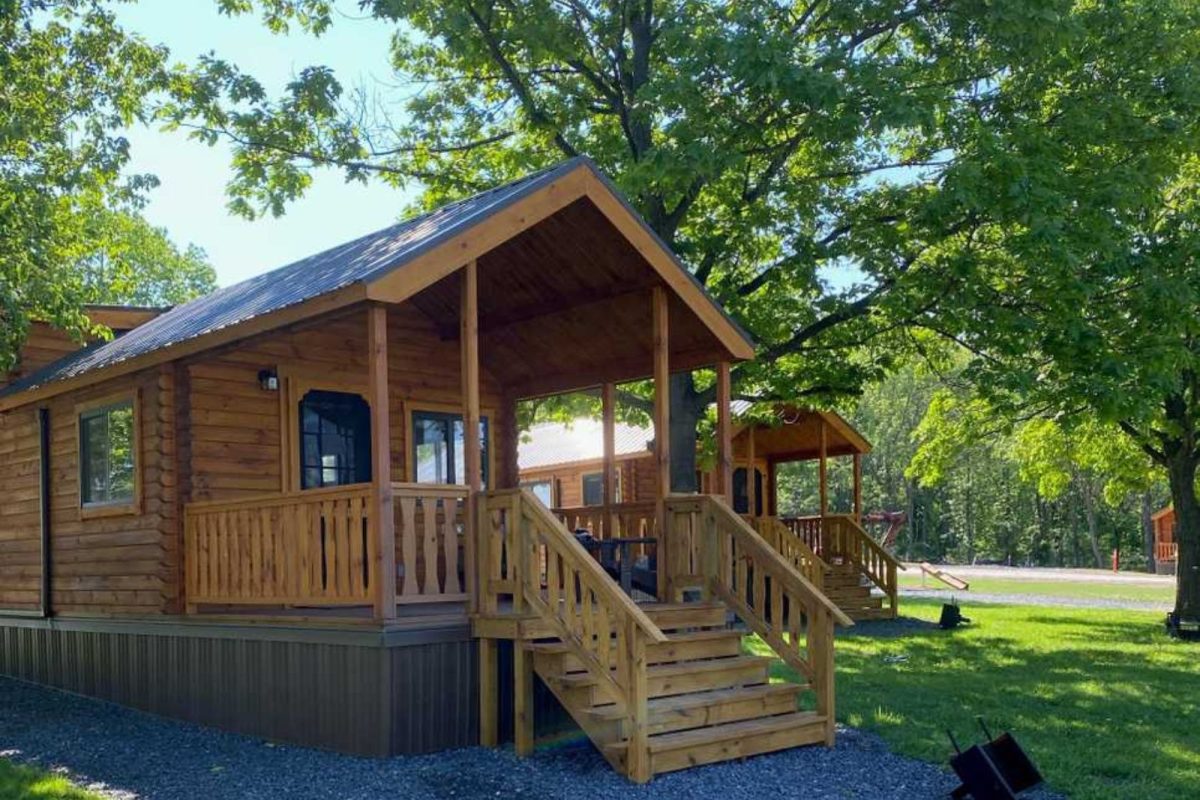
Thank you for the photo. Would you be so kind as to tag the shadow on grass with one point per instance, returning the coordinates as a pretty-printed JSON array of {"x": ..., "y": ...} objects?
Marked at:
[{"x": 1104, "y": 702}]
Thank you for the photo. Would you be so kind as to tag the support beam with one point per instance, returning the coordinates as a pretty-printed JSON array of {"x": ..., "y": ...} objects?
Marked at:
[
  {"x": 384, "y": 555},
  {"x": 472, "y": 470},
  {"x": 858, "y": 488},
  {"x": 608, "y": 400},
  {"x": 489, "y": 693},
  {"x": 751, "y": 473},
  {"x": 725, "y": 432},
  {"x": 772, "y": 499},
  {"x": 523, "y": 731},
  {"x": 822, "y": 464},
  {"x": 662, "y": 432}
]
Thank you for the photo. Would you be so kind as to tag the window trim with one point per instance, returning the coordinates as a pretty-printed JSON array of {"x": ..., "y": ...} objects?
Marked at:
[
  {"x": 93, "y": 510},
  {"x": 529, "y": 483},
  {"x": 294, "y": 383},
  {"x": 411, "y": 407}
]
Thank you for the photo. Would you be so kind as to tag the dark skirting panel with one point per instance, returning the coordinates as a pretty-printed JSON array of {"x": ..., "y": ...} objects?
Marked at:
[{"x": 354, "y": 691}]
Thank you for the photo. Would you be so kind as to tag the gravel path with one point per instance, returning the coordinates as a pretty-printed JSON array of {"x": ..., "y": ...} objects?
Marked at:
[
  {"x": 966, "y": 598},
  {"x": 126, "y": 754}
]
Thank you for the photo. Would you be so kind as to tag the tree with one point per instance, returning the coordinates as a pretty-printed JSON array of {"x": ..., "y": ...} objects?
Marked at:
[
  {"x": 134, "y": 262},
  {"x": 70, "y": 81},
  {"x": 775, "y": 146}
]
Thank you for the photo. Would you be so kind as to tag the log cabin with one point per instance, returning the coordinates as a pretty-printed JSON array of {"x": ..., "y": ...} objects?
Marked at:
[
  {"x": 1166, "y": 548},
  {"x": 291, "y": 508},
  {"x": 564, "y": 465}
]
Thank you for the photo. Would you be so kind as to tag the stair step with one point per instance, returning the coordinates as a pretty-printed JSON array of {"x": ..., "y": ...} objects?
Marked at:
[
  {"x": 683, "y": 646},
  {"x": 673, "y": 616},
  {"x": 683, "y": 749},
  {"x": 689, "y": 676},
  {"x": 700, "y": 709}
]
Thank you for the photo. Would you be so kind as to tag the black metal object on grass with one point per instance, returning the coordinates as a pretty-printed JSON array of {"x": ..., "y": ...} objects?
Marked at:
[{"x": 998, "y": 769}]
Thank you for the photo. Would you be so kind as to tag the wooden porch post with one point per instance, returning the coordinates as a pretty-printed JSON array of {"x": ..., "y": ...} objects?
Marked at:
[
  {"x": 858, "y": 488},
  {"x": 608, "y": 399},
  {"x": 468, "y": 341},
  {"x": 751, "y": 475},
  {"x": 662, "y": 433},
  {"x": 384, "y": 576},
  {"x": 725, "y": 432},
  {"x": 821, "y": 473}
]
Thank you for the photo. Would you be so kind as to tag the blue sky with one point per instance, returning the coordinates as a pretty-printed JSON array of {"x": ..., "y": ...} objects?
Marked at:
[{"x": 190, "y": 203}]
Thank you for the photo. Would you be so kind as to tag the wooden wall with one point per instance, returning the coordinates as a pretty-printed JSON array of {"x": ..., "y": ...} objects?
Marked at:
[
  {"x": 20, "y": 536},
  {"x": 637, "y": 479},
  {"x": 229, "y": 446},
  {"x": 235, "y": 425},
  {"x": 102, "y": 565}
]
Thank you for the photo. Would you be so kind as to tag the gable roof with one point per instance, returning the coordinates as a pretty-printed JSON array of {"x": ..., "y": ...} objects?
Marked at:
[
  {"x": 548, "y": 444},
  {"x": 356, "y": 271}
]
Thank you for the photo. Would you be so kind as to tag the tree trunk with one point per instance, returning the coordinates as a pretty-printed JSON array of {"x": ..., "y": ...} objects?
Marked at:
[
  {"x": 687, "y": 407},
  {"x": 1181, "y": 472},
  {"x": 1089, "y": 512},
  {"x": 1148, "y": 532}
]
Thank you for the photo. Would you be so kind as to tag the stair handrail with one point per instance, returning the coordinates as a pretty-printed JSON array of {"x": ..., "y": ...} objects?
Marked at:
[
  {"x": 584, "y": 607},
  {"x": 767, "y": 592},
  {"x": 860, "y": 547},
  {"x": 793, "y": 548}
]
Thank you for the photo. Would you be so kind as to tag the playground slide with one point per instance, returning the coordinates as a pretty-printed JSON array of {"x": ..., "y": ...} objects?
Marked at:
[{"x": 944, "y": 577}]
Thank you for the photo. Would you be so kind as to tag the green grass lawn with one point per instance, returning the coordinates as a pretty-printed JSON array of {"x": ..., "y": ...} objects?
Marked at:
[
  {"x": 19, "y": 782},
  {"x": 1143, "y": 593},
  {"x": 1106, "y": 704}
]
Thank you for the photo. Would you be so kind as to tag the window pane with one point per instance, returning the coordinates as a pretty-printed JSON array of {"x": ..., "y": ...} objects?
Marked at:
[
  {"x": 335, "y": 439},
  {"x": 437, "y": 458},
  {"x": 542, "y": 491},
  {"x": 593, "y": 489},
  {"x": 107, "y": 461}
]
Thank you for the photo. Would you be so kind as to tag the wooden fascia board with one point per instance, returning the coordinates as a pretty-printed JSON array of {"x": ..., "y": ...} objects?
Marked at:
[
  {"x": 848, "y": 432},
  {"x": 438, "y": 262},
  {"x": 275, "y": 319}
]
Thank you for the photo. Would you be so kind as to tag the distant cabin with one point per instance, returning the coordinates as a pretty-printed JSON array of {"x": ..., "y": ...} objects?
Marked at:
[{"x": 1166, "y": 546}]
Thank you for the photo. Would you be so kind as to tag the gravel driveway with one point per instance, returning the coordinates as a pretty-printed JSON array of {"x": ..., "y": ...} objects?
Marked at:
[{"x": 127, "y": 754}]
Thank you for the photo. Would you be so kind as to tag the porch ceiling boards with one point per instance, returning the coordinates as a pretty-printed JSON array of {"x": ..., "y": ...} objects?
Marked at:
[
  {"x": 798, "y": 438},
  {"x": 566, "y": 304}
]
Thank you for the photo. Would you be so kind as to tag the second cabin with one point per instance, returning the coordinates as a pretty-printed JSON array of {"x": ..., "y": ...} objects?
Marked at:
[{"x": 564, "y": 465}]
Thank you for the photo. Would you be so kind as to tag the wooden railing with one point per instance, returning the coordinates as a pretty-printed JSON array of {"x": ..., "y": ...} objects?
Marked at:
[
  {"x": 793, "y": 549},
  {"x": 808, "y": 529},
  {"x": 314, "y": 547},
  {"x": 845, "y": 539},
  {"x": 295, "y": 548},
  {"x": 429, "y": 548},
  {"x": 838, "y": 538},
  {"x": 1166, "y": 551},
  {"x": 629, "y": 520},
  {"x": 526, "y": 552},
  {"x": 715, "y": 550}
]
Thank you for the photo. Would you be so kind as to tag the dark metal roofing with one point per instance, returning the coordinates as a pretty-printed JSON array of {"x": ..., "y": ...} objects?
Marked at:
[{"x": 360, "y": 261}]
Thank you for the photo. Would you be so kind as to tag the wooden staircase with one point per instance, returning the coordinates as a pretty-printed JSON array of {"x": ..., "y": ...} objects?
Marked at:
[
  {"x": 707, "y": 701},
  {"x": 662, "y": 686},
  {"x": 841, "y": 558}
]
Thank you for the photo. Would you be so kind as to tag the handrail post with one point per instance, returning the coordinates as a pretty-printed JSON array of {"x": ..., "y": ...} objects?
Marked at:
[
  {"x": 708, "y": 544},
  {"x": 517, "y": 559},
  {"x": 820, "y": 653},
  {"x": 637, "y": 753}
]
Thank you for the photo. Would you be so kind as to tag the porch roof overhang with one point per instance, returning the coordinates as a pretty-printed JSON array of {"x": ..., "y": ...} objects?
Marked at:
[
  {"x": 797, "y": 436},
  {"x": 564, "y": 264}
]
